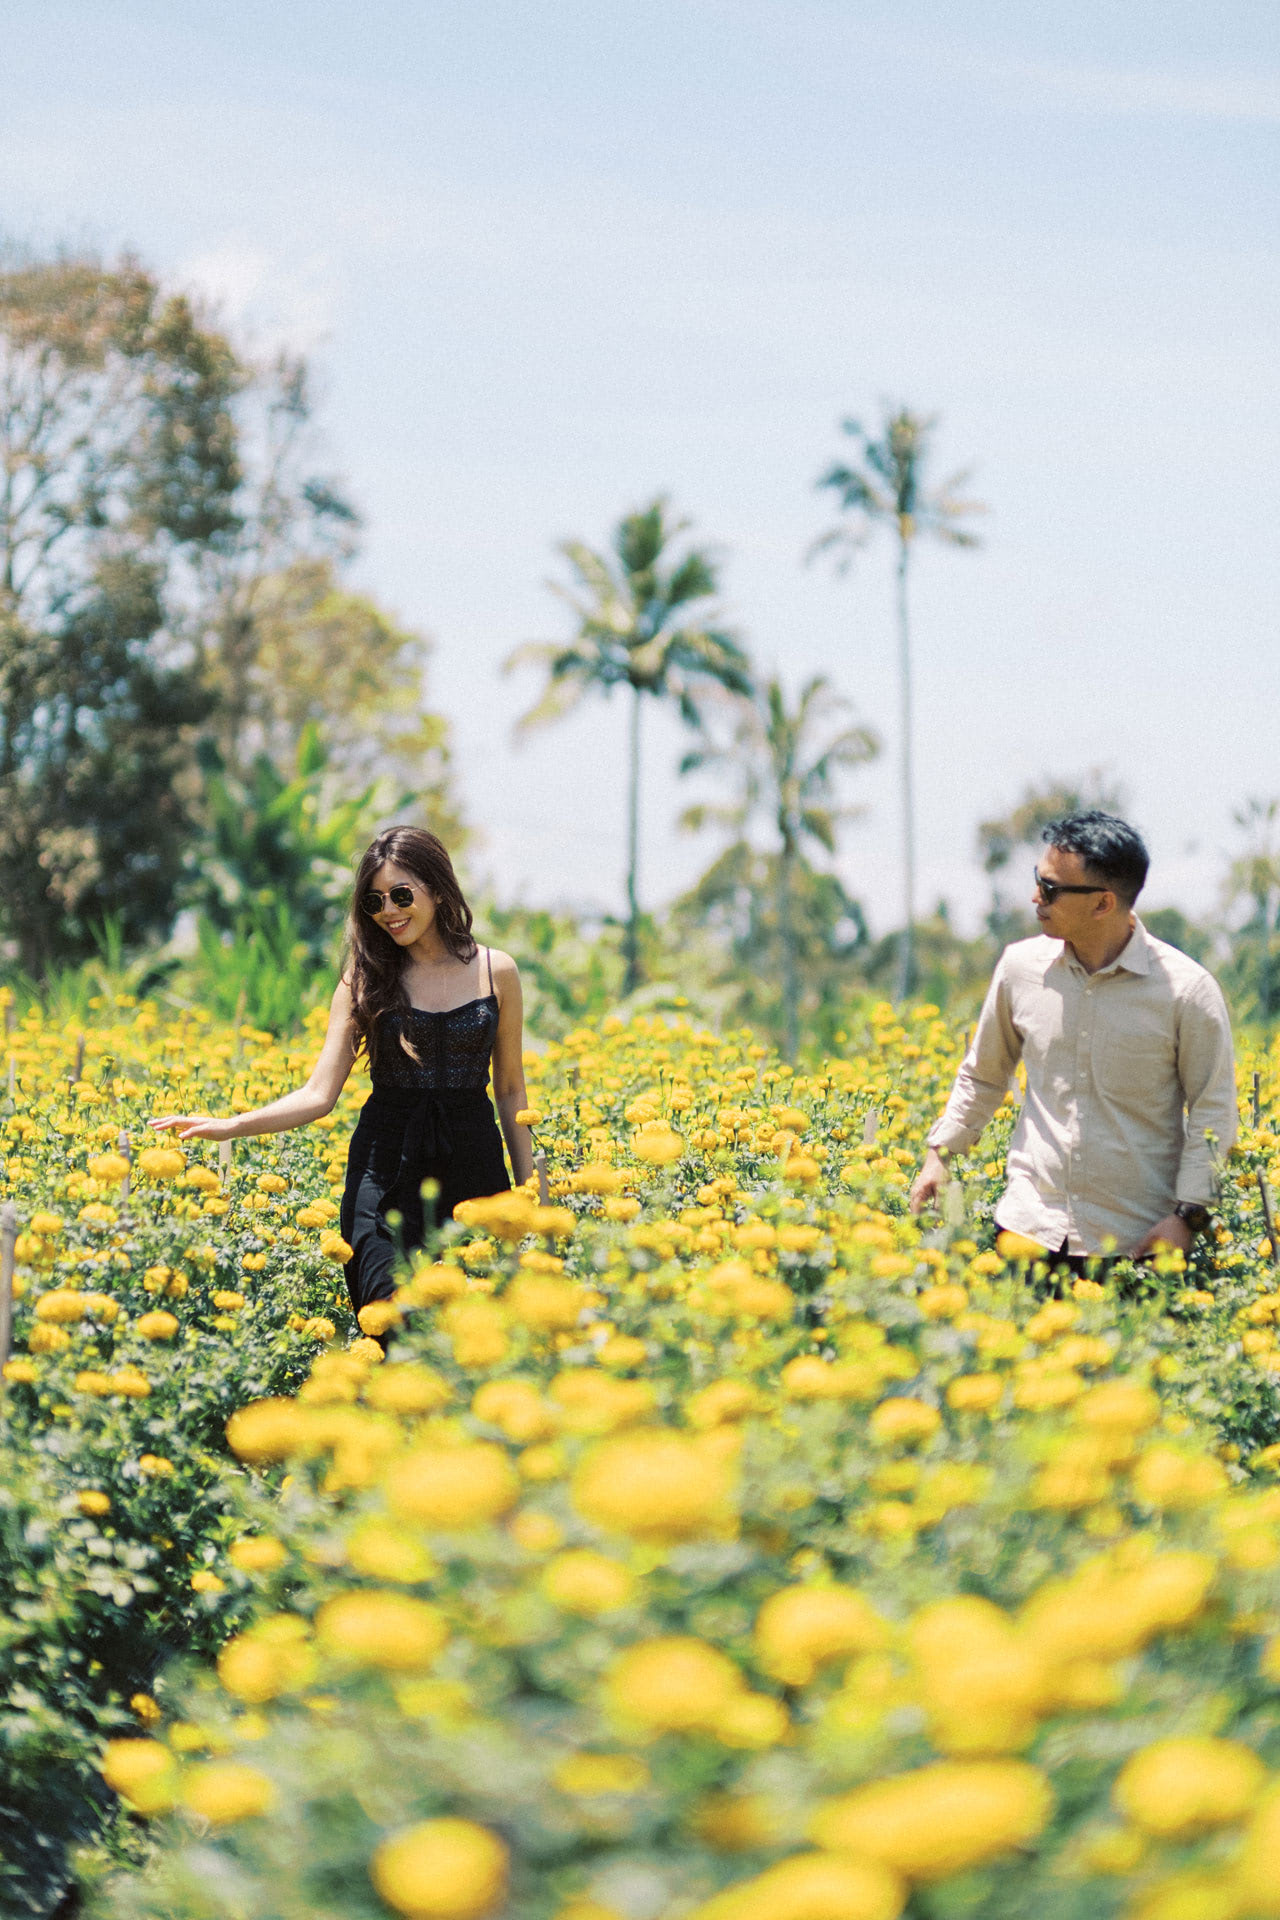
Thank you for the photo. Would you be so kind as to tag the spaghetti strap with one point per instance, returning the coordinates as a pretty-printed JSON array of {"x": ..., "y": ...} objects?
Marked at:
[{"x": 488, "y": 954}]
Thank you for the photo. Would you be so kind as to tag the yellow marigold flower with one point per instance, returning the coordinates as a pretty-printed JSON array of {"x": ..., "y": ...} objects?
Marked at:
[
  {"x": 162, "y": 1163},
  {"x": 477, "y": 1330},
  {"x": 598, "y": 1177},
  {"x": 271, "y": 1658},
  {"x": 592, "y": 1401},
  {"x": 374, "y": 1629},
  {"x": 271, "y": 1183},
  {"x": 722, "y": 1401},
  {"x": 334, "y": 1247},
  {"x": 141, "y": 1772},
  {"x": 515, "y": 1407},
  {"x": 1016, "y": 1246},
  {"x": 267, "y": 1430},
  {"x": 975, "y": 1392},
  {"x": 98, "y": 1215},
  {"x": 156, "y": 1466},
  {"x": 736, "y": 1822},
  {"x": 751, "y": 1721},
  {"x": 430, "y": 1285},
  {"x": 801, "y": 1629},
  {"x": 385, "y": 1552},
  {"x": 48, "y": 1339},
  {"x": 904, "y": 1421},
  {"x": 1179, "y": 1787},
  {"x": 545, "y": 1305},
  {"x": 447, "y": 1488},
  {"x": 206, "y": 1581},
  {"x": 96, "y": 1384},
  {"x": 224, "y": 1791},
  {"x": 130, "y": 1382},
  {"x": 674, "y": 1685},
  {"x": 441, "y": 1870},
  {"x": 1123, "y": 1406},
  {"x": 227, "y": 1301},
  {"x": 621, "y": 1207},
  {"x": 584, "y": 1775},
  {"x": 528, "y": 1117},
  {"x": 147, "y": 1709},
  {"x": 93, "y": 1502},
  {"x": 942, "y": 1303},
  {"x": 20, "y": 1372},
  {"x": 940, "y": 1819},
  {"x": 1166, "y": 1477},
  {"x": 408, "y": 1388},
  {"x": 311, "y": 1217},
  {"x": 812, "y": 1886},
  {"x": 157, "y": 1326},
  {"x": 536, "y": 1531},
  {"x": 375, "y": 1318},
  {"x": 1254, "y": 1870},
  {"x": 61, "y": 1305},
  {"x": 203, "y": 1180},
  {"x": 257, "y": 1553},
  {"x": 623, "y": 1350},
  {"x": 657, "y": 1144},
  {"x": 582, "y": 1581},
  {"x": 45, "y": 1224},
  {"x": 654, "y": 1486}
]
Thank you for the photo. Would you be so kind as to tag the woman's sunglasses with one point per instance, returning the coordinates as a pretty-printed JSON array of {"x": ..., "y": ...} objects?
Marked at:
[
  {"x": 1050, "y": 889},
  {"x": 373, "y": 901}
]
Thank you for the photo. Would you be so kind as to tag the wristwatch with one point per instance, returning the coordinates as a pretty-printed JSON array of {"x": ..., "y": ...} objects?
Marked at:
[{"x": 1194, "y": 1215}]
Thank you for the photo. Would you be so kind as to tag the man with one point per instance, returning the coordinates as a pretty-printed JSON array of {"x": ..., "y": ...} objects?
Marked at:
[{"x": 1126, "y": 1043}]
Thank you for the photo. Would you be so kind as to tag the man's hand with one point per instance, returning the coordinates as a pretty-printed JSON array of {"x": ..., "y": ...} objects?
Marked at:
[
  {"x": 1169, "y": 1232},
  {"x": 930, "y": 1180}
]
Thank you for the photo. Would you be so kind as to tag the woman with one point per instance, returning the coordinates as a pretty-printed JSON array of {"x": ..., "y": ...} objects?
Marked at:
[{"x": 433, "y": 1012}]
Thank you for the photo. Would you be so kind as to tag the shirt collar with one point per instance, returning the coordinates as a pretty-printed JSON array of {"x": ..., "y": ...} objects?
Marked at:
[{"x": 1134, "y": 956}]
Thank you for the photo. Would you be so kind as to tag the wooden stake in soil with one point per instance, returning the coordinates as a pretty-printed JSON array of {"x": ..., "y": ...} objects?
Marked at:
[
  {"x": 224, "y": 1158},
  {"x": 8, "y": 1241},
  {"x": 1257, "y": 1098},
  {"x": 1269, "y": 1216},
  {"x": 78, "y": 1071},
  {"x": 870, "y": 1126},
  {"x": 544, "y": 1191},
  {"x": 123, "y": 1146}
]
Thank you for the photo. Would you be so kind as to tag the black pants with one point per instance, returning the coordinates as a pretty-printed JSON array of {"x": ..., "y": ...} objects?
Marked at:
[{"x": 404, "y": 1137}]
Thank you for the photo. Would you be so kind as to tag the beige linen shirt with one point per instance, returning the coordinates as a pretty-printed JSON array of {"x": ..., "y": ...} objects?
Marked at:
[{"x": 1131, "y": 1094}]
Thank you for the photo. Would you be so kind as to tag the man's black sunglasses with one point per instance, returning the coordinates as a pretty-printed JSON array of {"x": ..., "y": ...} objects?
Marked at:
[
  {"x": 1050, "y": 889},
  {"x": 372, "y": 902}
]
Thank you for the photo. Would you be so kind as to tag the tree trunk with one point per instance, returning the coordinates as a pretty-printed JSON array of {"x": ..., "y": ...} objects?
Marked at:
[
  {"x": 631, "y": 947},
  {"x": 787, "y": 936},
  {"x": 905, "y": 980}
]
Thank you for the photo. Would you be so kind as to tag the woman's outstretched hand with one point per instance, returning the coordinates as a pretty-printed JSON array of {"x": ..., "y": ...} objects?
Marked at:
[{"x": 196, "y": 1126}]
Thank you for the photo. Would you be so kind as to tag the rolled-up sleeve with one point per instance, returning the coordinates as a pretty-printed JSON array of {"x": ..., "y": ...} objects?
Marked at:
[
  {"x": 985, "y": 1072},
  {"x": 1207, "y": 1071}
]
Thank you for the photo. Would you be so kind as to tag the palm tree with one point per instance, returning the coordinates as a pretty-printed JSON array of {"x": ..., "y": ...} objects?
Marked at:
[
  {"x": 886, "y": 487},
  {"x": 643, "y": 622},
  {"x": 786, "y": 762}
]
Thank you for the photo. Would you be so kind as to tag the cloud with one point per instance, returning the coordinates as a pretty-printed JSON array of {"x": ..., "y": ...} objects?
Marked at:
[{"x": 277, "y": 301}]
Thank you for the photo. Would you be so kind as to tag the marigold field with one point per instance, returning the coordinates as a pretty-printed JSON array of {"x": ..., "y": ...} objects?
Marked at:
[{"x": 713, "y": 1542}]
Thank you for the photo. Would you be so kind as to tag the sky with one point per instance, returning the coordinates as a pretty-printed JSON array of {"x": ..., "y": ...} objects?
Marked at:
[{"x": 552, "y": 260}]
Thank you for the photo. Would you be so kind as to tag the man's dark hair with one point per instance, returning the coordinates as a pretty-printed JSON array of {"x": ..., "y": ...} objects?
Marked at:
[{"x": 1109, "y": 848}]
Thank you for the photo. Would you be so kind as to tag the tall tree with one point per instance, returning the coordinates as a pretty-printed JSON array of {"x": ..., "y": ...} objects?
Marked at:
[
  {"x": 785, "y": 762},
  {"x": 886, "y": 485},
  {"x": 118, "y": 467},
  {"x": 1253, "y": 880},
  {"x": 644, "y": 620}
]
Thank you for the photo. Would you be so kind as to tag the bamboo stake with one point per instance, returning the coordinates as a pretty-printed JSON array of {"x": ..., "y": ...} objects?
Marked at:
[
  {"x": 1257, "y": 1098},
  {"x": 870, "y": 1126},
  {"x": 544, "y": 1191},
  {"x": 1269, "y": 1216},
  {"x": 8, "y": 1241},
  {"x": 123, "y": 1145},
  {"x": 78, "y": 1073}
]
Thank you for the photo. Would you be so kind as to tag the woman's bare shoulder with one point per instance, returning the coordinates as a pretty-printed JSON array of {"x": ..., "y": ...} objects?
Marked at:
[{"x": 504, "y": 967}]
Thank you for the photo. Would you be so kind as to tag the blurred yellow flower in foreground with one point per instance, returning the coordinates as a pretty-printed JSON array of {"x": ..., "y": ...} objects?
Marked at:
[{"x": 441, "y": 1870}]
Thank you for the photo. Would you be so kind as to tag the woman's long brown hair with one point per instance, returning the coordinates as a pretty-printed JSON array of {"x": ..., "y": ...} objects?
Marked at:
[{"x": 377, "y": 964}]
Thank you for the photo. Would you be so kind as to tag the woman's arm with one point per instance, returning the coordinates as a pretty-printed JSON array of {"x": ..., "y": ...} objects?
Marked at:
[
  {"x": 297, "y": 1109},
  {"x": 509, "y": 1094}
]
